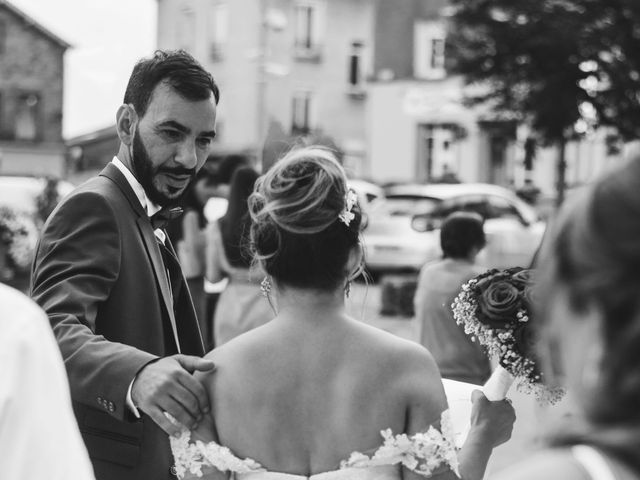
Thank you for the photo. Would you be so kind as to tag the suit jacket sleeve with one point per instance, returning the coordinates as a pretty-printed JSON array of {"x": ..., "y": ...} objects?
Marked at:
[{"x": 77, "y": 263}]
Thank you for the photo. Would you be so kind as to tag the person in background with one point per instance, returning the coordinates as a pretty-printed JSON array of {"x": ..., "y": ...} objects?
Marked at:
[
  {"x": 39, "y": 436},
  {"x": 461, "y": 238},
  {"x": 589, "y": 307},
  {"x": 216, "y": 207},
  {"x": 188, "y": 235},
  {"x": 241, "y": 306}
]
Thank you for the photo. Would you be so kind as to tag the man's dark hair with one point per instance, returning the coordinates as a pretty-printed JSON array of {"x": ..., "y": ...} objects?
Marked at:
[
  {"x": 178, "y": 69},
  {"x": 461, "y": 232}
]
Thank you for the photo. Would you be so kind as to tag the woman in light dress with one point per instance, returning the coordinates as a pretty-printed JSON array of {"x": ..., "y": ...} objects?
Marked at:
[
  {"x": 241, "y": 305},
  {"x": 300, "y": 396},
  {"x": 591, "y": 311},
  {"x": 188, "y": 235}
]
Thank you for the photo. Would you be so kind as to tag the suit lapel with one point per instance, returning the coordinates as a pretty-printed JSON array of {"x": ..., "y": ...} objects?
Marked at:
[
  {"x": 146, "y": 232},
  {"x": 153, "y": 250},
  {"x": 115, "y": 175}
]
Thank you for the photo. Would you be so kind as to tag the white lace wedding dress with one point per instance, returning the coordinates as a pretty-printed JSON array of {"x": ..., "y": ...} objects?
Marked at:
[{"x": 423, "y": 453}]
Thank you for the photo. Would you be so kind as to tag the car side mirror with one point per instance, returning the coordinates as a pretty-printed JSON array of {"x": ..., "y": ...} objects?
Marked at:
[{"x": 424, "y": 223}]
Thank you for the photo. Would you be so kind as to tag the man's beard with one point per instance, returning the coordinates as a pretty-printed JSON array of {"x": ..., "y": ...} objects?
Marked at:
[{"x": 145, "y": 173}]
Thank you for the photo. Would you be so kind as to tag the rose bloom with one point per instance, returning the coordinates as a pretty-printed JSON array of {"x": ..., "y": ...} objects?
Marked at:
[
  {"x": 499, "y": 304},
  {"x": 486, "y": 279},
  {"x": 521, "y": 279}
]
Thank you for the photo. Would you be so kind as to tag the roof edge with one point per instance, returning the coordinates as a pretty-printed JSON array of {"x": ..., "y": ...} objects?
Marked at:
[{"x": 32, "y": 22}]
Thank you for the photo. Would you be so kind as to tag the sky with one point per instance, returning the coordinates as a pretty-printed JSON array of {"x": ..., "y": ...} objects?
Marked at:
[{"x": 107, "y": 38}]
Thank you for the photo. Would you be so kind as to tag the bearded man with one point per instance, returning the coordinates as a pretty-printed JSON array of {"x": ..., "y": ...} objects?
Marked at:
[{"x": 107, "y": 276}]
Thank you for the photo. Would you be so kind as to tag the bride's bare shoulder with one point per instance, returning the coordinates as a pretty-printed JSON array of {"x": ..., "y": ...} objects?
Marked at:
[
  {"x": 409, "y": 359},
  {"x": 240, "y": 349}
]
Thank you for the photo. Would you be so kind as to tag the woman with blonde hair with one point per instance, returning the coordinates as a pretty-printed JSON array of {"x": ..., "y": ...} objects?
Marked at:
[
  {"x": 590, "y": 305},
  {"x": 302, "y": 395}
]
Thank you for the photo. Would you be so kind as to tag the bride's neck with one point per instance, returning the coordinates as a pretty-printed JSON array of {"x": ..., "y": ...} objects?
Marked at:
[{"x": 309, "y": 304}]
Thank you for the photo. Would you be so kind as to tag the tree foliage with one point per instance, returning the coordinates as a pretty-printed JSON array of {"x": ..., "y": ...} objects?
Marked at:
[{"x": 564, "y": 66}]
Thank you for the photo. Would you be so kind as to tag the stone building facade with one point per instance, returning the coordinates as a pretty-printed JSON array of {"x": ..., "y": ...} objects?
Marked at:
[{"x": 31, "y": 96}]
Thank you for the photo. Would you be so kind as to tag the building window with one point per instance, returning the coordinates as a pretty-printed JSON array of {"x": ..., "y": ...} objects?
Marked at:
[
  {"x": 355, "y": 71},
  {"x": 186, "y": 29},
  {"x": 429, "y": 44},
  {"x": 301, "y": 122},
  {"x": 27, "y": 117},
  {"x": 355, "y": 65},
  {"x": 437, "y": 54},
  {"x": 308, "y": 24},
  {"x": 219, "y": 28}
]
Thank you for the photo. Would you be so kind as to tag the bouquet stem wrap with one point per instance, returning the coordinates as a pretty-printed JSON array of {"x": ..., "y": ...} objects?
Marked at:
[{"x": 498, "y": 384}]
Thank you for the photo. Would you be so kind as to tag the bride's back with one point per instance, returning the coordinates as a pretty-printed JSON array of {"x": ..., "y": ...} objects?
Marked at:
[
  {"x": 302, "y": 392},
  {"x": 301, "y": 398}
]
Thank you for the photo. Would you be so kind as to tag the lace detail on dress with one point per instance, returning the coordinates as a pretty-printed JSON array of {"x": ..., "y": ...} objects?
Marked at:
[
  {"x": 191, "y": 457},
  {"x": 422, "y": 453}
]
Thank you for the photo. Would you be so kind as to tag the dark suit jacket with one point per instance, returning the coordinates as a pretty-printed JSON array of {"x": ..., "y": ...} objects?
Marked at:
[{"x": 99, "y": 275}]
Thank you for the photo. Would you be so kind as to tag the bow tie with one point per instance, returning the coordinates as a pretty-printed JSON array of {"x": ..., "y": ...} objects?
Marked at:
[{"x": 161, "y": 218}]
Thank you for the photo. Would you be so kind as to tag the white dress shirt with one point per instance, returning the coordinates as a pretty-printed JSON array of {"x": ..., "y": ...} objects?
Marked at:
[
  {"x": 149, "y": 207},
  {"x": 39, "y": 436}
]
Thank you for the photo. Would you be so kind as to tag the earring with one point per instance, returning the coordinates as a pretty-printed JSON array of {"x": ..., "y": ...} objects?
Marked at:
[
  {"x": 265, "y": 286},
  {"x": 347, "y": 288}
]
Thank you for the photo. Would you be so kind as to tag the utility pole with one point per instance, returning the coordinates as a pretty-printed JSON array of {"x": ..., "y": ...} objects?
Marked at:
[{"x": 261, "y": 103}]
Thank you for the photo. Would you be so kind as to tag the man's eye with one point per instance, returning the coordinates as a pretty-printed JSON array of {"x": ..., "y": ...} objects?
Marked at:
[
  {"x": 172, "y": 134},
  {"x": 204, "y": 142}
]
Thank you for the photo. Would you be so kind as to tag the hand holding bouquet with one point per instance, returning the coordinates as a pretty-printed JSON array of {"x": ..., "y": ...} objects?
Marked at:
[{"x": 495, "y": 310}]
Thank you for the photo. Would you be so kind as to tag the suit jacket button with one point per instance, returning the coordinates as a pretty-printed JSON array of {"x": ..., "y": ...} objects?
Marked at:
[{"x": 99, "y": 400}]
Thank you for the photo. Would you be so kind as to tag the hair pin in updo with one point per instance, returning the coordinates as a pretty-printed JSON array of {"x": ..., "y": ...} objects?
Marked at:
[{"x": 347, "y": 215}]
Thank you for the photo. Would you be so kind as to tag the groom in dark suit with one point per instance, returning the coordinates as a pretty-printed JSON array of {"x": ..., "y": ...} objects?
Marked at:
[{"x": 107, "y": 276}]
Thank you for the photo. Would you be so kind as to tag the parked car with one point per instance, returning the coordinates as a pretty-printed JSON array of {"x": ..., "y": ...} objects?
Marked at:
[
  {"x": 20, "y": 193},
  {"x": 403, "y": 232},
  {"x": 368, "y": 192}
]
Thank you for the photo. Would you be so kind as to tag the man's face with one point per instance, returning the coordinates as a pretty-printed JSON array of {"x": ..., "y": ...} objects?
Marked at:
[{"x": 171, "y": 143}]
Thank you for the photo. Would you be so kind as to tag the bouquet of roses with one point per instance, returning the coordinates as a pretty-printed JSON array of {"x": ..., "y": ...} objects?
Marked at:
[{"x": 495, "y": 310}]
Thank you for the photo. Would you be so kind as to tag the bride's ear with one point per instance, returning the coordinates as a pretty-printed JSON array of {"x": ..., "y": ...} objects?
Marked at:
[{"x": 355, "y": 261}]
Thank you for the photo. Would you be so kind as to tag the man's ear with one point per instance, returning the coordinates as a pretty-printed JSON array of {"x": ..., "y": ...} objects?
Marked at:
[{"x": 126, "y": 121}]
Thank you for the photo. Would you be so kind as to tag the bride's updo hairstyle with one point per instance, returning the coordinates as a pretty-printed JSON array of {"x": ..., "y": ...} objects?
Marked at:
[{"x": 297, "y": 235}]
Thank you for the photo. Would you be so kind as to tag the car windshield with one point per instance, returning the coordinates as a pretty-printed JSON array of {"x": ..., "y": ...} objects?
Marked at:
[
  {"x": 19, "y": 195},
  {"x": 409, "y": 205}
]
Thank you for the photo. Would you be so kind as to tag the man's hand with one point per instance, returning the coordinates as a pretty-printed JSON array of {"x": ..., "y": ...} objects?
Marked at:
[
  {"x": 168, "y": 386},
  {"x": 494, "y": 420}
]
